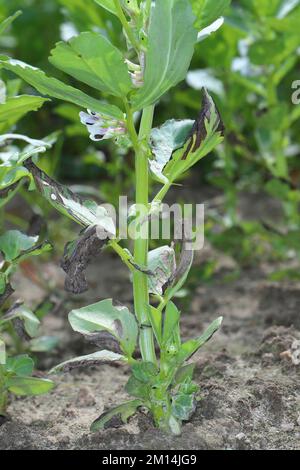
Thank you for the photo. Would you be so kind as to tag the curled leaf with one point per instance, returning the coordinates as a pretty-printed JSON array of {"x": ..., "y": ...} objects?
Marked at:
[
  {"x": 161, "y": 262},
  {"x": 199, "y": 129},
  {"x": 78, "y": 255},
  {"x": 124, "y": 411},
  {"x": 100, "y": 357}
]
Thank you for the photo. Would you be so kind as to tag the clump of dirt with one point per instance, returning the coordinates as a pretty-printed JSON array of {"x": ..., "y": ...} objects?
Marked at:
[{"x": 250, "y": 387}]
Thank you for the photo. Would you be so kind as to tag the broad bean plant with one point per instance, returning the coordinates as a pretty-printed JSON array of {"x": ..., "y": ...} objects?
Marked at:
[
  {"x": 159, "y": 38},
  {"x": 19, "y": 326}
]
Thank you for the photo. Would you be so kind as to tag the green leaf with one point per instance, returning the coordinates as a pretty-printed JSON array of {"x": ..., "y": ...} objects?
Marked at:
[
  {"x": 8, "y": 21},
  {"x": 92, "y": 59},
  {"x": 108, "y": 5},
  {"x": 144, "y": 371},
  {"x": 136, "y": 388},
  {"x": 208, "y": 11},
  {"x": 171, "y": 43},
  {"x": 21, "y": 366},
  {"x": 192, "y": 346},
  {"x": 94, "y": 359},
  {"x": 125, "y": 411},
  {"x": 184, "y": 373},
  {"x": 30, "y": 321},
  {"x": 57, "y": 89},
  {"x": 104, "y": 316},
  {"x": 26, "y": 386},
  {"x": 155, "y": 317},
  {"x": 161, "y": 262},
  {"x": 44, "y": 343},
  {"x": 171, "y": 321},
  {"x": 17, "y": 106},
  {"x": 13, "y": 243},
  {"x": 171, "y": 136},
  {"x": 35, "y": 251}
]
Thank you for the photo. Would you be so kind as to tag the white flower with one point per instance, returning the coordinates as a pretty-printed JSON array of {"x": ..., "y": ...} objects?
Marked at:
[{"x": 101, "y": 128}]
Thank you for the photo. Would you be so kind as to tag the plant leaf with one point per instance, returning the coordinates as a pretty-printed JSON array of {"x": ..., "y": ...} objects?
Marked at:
[
  {"x": 92, "y": 59},
  {"x": 84, "y": 212},
  {"x": 56, "y": 89},
  {"x": 161, "y": 262},
  {"x": 21, "y": 366},
  {"x": 125, "y": 411},
  {"x": 44, "y": 343},
  {"x": 192, "y": 346},
  {"x": 171, "y": 41},
  {"x": 17, "y": 106},
  {"x": 8, "y": 21},
  {"x": 208, "y": 11},
  {"x": 104, "y": 316},
  {"x": 108, "y": 5},
  {"x": 13, "y": 243},
  {"x": 100, "y": 357},
  {"x": 26, "y": 386},
  {"x": 171, "y": 321},
  {"x": 171, "y": 136},
  {"x": 77, "y": 256}
]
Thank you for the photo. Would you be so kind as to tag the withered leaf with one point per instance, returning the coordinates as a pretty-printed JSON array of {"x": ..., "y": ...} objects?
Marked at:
[
  {"x": 198, "y": 132},
  {"x": 77, "y": 256},
  {"x": 104, "y": 340}
]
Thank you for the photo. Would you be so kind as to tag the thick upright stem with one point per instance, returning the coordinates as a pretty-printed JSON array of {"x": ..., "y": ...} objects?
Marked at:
[{"x": 141, "y": 244}]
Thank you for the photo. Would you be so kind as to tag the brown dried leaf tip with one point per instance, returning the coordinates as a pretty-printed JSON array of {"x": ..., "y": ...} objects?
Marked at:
[
  {"x": 78, "y": 254},
  {"x": 198, "y": 132}
]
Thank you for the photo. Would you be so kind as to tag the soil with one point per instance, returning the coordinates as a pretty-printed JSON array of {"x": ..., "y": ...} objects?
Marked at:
[{"x": 248, "y": 373}]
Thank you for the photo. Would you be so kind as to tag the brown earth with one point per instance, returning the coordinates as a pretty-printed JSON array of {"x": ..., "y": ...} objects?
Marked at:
[{"x": 250, "y": 383}]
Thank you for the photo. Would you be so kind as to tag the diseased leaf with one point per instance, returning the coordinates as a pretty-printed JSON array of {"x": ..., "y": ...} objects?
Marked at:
[
  {"x": 77, "y": 256},
  {"x": 206, "y": 134},
  {"x": 56, "y": 89},
  {"x": 97, "y": 358},
  {"x": 85, "y": 212},
  {"x": 28, "y": 386},
  {"x": 164, "y": 140},
  {"x": 92, "y": 59},
  {"x": 171, "y": 41},
  {"x": 125, "y": 411},
  {"x": 104, "y": 316},
  {"x": 161, "y": 262}
]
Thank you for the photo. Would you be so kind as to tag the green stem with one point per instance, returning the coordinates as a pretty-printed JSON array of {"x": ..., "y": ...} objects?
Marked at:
[
  {"x": 126, "y": 26},
  {"x": 141, "y": 243}
]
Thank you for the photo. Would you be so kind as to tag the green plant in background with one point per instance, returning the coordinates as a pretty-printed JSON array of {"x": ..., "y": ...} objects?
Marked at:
[
  {"x": 17, "y": 322},
  {"x": 250, "y": 67},
  {"x": 160, "y": 38}
]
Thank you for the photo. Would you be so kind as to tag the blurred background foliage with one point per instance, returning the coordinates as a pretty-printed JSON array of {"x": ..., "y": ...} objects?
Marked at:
[{"x": 248, "y": 65}]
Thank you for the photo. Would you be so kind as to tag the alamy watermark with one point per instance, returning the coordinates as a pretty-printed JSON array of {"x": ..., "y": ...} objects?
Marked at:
[
  {"x": 296, "y": 94},
  {"x": 155, "y": 221}
]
